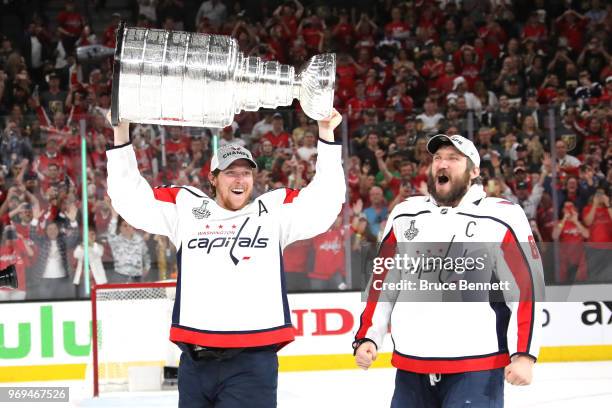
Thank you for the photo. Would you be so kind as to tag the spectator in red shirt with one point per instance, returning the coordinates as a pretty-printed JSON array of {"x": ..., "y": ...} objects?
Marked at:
[
  {"x": 296, "y": 260},
  {"x": 571, "y": 25},
  {"x": 98, "y": 155},
  {"x": 99, "y": 127},
  {"x": 228, "y": 137},
  {"x": 70, "y": 24},
  {"x": 373, "y": 89},
  {"x": 177, "y": 144},
  {"x": 429, "y": 20},
  {"x": 328, "y": 271},
  {"x": 50, "y": 155},
  {"x": 276, "y": 44},
  {"x": 343, "y": 31},
  {"x": 357, "y": 105},
  {"x": 549, "y": 89},
  {"x": 433, "y": 68},
  {"x": 571, "y": 234},
  {"x": 199, "y": 167},
  {"x": 400, "y": 101},
  {"x": 278, "y": 136},
  {"x": 143, "y": 152},
  {"x": 311, "y": 29},
  {"x": 364, "y": 36},
  {"x": 598, "y": 217},
  {"x": 444, "y": 82},
  {"x": 54, "y": 176},
  {"x": 534, "y": 29},
  {"x": 468, "y": 64},
  {"x": 397, "y": 29},
  {"x": 346, "y": 70},
  {"x": 290, "y": 13},
  {"x": 108, "y": 38},
  {"x": 493, "y": 30}
]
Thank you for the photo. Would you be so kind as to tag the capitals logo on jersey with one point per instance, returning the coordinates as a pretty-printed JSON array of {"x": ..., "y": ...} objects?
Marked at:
[{"x": 224, "y": 238}]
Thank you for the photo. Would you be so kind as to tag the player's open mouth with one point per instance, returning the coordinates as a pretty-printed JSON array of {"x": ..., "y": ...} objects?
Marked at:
[
  {"x": 442, "y": 179},
  {"x": 237, "y": 190}
]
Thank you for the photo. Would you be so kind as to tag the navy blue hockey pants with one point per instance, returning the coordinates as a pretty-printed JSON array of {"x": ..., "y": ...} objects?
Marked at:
[
  {"x": 247, "y": 380},
  {"x": 475, "y": 389}
]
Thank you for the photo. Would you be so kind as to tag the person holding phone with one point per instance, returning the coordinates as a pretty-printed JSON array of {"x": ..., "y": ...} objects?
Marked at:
[
  {"x": 571, "y": 233},
  {"x": 597, "y": 216}
]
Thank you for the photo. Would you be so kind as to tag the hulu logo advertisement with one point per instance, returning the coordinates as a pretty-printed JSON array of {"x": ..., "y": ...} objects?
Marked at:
[{"x": 45, "y": 333}]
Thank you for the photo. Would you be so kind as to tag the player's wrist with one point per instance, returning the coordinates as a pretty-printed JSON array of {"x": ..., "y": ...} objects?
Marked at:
[
  {"x": 359, "y": 342},
  {"x": 523, "y": 357}
]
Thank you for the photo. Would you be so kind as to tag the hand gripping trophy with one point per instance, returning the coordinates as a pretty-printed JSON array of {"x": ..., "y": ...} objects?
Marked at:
[{"x": 189, "y": 79}]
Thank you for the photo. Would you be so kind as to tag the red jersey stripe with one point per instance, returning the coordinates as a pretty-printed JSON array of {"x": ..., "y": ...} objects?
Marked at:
[
  {"x": 387, "y": 250},
  {"x": 281, "y": 335},
  {"x": 453, "y": 365},
  {"x": 290, "y": 195},
  {"x": 167, "y": 194},
  {"x": 520, "y": 270}
]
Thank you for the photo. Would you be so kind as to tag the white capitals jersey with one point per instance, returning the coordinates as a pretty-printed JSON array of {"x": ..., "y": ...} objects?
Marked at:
[
  {"x": 231, "y": 285},
  {"x": 451, "y": 337}
]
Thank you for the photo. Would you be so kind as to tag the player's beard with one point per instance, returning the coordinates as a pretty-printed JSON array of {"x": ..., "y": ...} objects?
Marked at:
[{"x": 458, "y": 188}]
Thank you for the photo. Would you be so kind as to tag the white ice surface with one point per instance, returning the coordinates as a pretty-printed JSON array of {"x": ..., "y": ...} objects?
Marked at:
[{"x": 556, "y": 385}]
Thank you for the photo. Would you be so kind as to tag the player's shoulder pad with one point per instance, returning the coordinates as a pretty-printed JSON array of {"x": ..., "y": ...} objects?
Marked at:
[
  {"x": 278, "y": 196},
  {"x": 172, "y": 193},
  {"x": 511, "y": 213},
  {"x": 496, "y": 202},
  {"x": 410, "y": 205},
  {"x": 188, "y": 189}
]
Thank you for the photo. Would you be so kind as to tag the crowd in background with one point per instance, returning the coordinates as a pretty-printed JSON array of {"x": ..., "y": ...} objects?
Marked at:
[{"x": 530, "y": 82}]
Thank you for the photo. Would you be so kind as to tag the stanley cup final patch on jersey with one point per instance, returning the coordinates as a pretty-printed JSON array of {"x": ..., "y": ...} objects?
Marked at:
[
  {"x": 411, "y": 232},
  {"x": 201, "y": 211}
]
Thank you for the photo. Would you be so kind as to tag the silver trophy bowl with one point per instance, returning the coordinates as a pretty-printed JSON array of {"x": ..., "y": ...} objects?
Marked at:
[{"x": 189, "y": 79}]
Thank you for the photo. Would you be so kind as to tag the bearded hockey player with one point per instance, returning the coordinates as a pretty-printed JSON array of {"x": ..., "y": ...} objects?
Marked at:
[{"x": 458, "y": 353}]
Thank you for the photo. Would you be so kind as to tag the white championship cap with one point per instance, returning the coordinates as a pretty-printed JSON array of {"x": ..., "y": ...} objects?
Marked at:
[
  {"x": 462, "y": 144},
  {"x": 228, "y": 154}
]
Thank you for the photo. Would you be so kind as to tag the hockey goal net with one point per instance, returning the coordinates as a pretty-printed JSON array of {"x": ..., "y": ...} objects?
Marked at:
[{"x": 130, "y": 331}]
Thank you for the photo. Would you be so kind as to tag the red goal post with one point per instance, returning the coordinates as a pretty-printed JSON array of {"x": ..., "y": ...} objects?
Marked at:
[{"x": 130, "y": 328}]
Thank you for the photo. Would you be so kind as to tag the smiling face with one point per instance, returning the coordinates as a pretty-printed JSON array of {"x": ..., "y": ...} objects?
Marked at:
[
  {"x": 234, "y": 185},
  {"x": 449, "y": 175}
]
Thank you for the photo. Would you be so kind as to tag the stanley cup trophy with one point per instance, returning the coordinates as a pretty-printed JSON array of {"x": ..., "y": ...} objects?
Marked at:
[{"x": 188, "y": 79}]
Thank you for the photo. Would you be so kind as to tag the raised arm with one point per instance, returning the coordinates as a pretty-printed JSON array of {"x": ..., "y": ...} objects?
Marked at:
[
  {"x": 324, "y": 195},
  {"x": 151, "y": 210}
]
